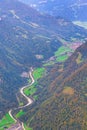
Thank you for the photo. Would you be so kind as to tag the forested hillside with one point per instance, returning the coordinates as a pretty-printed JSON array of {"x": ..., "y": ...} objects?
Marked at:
[{"x": 64, "y": 101}]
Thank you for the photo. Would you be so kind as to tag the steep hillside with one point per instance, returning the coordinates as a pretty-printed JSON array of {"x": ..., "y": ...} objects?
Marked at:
[
  {"x": 26, "y": 39},
  {"x": 62, "y": 102},
  {"x": 69, "y": 9}
]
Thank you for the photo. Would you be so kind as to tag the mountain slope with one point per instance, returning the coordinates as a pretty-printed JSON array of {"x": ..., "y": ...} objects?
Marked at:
[
  {"x": 26, "y": 35},
  {"x": 64, "y": 103}
]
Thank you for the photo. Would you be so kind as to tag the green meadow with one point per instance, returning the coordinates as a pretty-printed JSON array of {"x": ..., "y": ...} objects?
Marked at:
[
  {"x": 62, "y": 53},
  {"x": 20, "y": 113},
  {"x": 30, "y": 90},
  {"x": 38, "y": 73},
  {"x": 62, "y": 58},
  {"x": 6, "y": 122}
]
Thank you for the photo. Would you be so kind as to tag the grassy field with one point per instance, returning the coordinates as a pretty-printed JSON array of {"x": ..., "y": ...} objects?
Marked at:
[
  {"x": 30, "y": 90},
  {"x": 62, "y": 58},
  {"x": 20, "y": 113},
  {"x": 62, "y": 53},
  {"x": 6, "y": 122},
  {"x": 62, "y": 50},
  {"x": 38, "y": 73}
]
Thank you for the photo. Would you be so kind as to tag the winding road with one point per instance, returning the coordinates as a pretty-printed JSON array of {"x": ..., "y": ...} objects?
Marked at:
[{"x": 29, "y": 102}]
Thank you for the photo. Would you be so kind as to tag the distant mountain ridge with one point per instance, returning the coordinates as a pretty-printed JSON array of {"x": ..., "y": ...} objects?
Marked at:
[{"x": 74, "y": 10}]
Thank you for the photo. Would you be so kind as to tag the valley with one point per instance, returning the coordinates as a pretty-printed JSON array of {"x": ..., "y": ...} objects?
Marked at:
[
  {"x": 43, "y": 66},
  {"x": 29, "y": 40},
  {"x": 66, "y": 93}
]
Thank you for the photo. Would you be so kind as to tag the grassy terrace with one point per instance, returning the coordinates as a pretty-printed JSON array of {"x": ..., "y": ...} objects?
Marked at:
[{"x": 6, "y": 122}]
